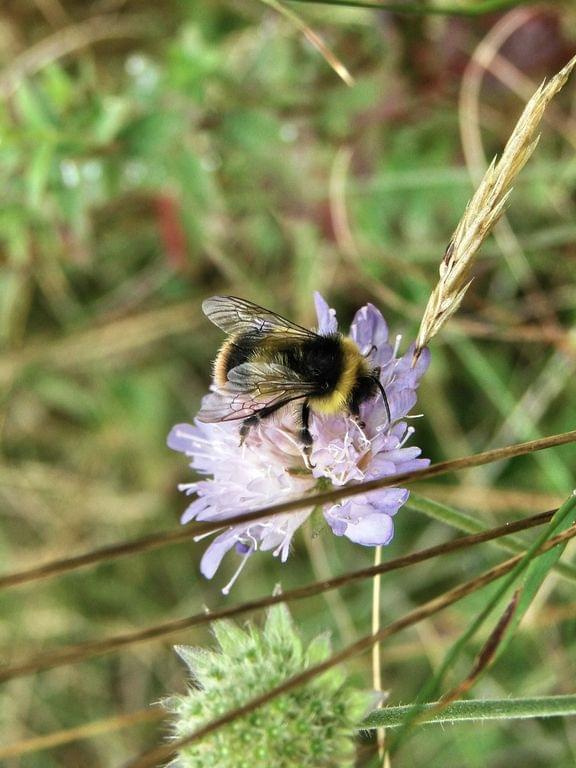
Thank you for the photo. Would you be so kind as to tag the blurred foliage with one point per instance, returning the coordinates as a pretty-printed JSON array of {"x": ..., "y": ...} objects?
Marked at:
[{"x": 153, "y": 154}]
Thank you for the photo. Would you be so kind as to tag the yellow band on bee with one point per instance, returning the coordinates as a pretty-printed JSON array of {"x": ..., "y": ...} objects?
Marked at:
[{"x": 337, "y": 400}]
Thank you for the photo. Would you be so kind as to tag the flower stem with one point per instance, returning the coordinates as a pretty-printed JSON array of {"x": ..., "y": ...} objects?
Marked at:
[{"x": 376, "y": 662}]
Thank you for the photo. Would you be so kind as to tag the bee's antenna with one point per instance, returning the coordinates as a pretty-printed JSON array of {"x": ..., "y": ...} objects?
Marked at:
[
  {"x": 373, "y": 348},
  {"x": 386, "y": 405}
]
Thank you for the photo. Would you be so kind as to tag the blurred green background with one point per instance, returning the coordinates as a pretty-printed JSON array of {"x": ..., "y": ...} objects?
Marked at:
[{"x": 154, "y": 154}]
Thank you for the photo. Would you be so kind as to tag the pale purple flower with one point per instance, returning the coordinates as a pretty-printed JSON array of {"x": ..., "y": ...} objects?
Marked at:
[{"x": 271, "y": 467}]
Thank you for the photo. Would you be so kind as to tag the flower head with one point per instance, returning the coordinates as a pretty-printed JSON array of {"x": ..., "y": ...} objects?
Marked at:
[
  {"x": 271, "y": 466},
  {"x": 312, "y": 725}
]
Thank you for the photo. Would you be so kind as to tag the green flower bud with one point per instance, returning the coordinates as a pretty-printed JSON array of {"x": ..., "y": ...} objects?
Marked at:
[{"x": 312, "y": 726}]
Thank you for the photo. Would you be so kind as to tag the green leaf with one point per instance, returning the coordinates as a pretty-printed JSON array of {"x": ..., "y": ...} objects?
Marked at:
[
  {"x": 33, "y": 112},
  {"x": 59, "y": 86},
  {"x": 110, "y": 117},
  {"x": 279, "y": 623},
  {"x": 148, "y": 133},
  {"x": 39, "y": 173}
]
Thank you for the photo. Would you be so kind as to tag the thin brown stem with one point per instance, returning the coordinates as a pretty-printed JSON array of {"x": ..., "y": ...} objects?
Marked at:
[
  {"x": 154, "y": 756},
  {"x": 75, "y": 653},
  {"x": 80, "y": 732},
  {"x": 434, "y": 470},
  {"x": 63, "y": 565},
  {"x": 66, "y": 41}
]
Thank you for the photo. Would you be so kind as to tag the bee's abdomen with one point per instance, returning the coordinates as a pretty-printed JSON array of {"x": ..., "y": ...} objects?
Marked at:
[{"x": 236, "y": 350}]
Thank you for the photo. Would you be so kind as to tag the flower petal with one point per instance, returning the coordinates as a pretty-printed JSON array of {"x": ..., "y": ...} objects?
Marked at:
[
  {"x": 194, "y": 510},
  {"x": 372, "y": 530},
  {"x": 327, "y": 322},
  {"x": 369, "y": 328},
  {"x": 180, "y": 438},
  {"x": 212, "y": 558}
]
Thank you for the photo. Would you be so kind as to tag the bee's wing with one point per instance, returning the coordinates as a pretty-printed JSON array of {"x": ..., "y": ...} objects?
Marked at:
[
  {"x": 251, "y": 388},
  {"x": 235, "y": 315}
]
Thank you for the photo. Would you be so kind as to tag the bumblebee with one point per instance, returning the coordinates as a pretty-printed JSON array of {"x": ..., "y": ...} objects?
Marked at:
[{"x": 268, "y": 362}]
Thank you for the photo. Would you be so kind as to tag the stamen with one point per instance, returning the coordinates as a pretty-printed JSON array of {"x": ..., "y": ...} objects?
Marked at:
[
  {"x": 187, "y": 488},
  {"x": 199, "y": 455},
  {"x": 205, "y": 535},
  {"x": 284, "y": 548},
  {"x": 228, "y": 587},
  {"x": 409, "y": 432},
  {"x": 251, "y": 537},
  {"x": 296, "y": 443},
  {"x": 363, "y": 435},
  {"x": 287, "y": 434},
  {"x": 280, "y": 546}
]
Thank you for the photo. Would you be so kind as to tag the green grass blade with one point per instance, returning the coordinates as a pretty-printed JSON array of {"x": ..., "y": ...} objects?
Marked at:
[
  {"x": 490, "y": 709},
  {"x": 539, "y": 568},
  {"x": 498, "y": 391},
  {"x": 461, "y": 521},
  {"x": 564, "y": 517},
  {"x": 422, "y": 9}
]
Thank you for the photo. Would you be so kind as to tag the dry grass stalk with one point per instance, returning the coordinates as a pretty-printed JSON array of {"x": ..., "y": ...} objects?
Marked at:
[
  {"x": 484, "y": 210},
  {"x": 315, "y": 40}
]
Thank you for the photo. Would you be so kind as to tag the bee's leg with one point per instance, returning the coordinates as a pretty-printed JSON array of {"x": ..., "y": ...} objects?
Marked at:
[
  {"x": 251, "y": 421},
  {"x": 305, "y": 435},
  {"x": 355, "y": 413}
]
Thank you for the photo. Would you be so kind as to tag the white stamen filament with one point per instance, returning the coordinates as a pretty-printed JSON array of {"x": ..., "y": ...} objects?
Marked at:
[
  {"x": 288, "y": 435},
  {"x": 280, "y": 546},
  {"x": 208, "y": 533},
  {"x": 198, "y": 455},
  {"x": 228, "y": 587},
  {"x": 362, "y": 433},
  {"x": 409, "y": 432},
  {"x": 187, "y": 488},
  {"x": 284, "y": 548},
  {"x": 298, "y": 445}
]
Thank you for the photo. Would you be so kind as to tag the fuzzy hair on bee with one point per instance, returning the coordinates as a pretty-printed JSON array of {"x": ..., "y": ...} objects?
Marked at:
[{"x": 268, "y": 362}]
